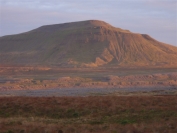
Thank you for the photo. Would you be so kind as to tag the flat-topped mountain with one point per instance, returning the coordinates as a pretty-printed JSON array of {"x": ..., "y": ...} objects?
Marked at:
[{"x": 89, "y": 43}]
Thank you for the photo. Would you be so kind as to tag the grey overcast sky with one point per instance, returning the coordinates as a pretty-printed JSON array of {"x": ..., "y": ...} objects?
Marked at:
[{"x": 158, "y": 18}]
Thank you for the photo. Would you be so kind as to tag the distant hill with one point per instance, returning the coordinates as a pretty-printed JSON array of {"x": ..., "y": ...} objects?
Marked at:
[{"x": 89, "y": 43}]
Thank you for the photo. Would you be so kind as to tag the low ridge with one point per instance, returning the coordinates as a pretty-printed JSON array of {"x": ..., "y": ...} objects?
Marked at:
[{"x": 90, "y": 43}]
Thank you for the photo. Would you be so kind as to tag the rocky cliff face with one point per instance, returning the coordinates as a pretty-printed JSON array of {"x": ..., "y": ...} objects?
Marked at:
[{"x": 89, "y": 43}]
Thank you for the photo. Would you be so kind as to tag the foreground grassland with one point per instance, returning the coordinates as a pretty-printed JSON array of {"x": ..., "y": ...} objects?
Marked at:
[{"x": 96, "y": 114}]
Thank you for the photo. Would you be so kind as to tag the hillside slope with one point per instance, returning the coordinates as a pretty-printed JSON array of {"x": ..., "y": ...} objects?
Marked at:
[{"x": 89, "y": 43}]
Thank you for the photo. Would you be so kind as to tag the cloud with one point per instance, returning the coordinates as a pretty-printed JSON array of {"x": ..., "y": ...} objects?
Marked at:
[{"x": 163, "y": 4}]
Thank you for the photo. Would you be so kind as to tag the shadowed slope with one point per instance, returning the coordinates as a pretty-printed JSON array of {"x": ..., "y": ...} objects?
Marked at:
[{"x": 87, "y": 43}]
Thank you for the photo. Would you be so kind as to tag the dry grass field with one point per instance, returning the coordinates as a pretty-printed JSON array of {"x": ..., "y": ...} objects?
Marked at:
[{"x": 93, "y": 114}]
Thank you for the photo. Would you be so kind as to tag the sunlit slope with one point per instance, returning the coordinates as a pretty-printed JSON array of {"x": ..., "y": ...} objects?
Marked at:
[{"x": 89, "y": 43}]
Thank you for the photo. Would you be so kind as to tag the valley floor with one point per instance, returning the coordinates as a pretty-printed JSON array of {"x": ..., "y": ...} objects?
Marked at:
[
  {"x": 91, "y": 100},
  {"x": 36, "y": 78}
]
